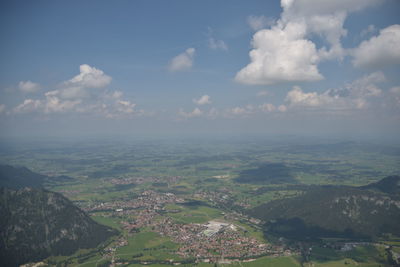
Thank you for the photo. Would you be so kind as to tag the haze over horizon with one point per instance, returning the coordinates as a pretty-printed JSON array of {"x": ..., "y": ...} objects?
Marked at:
[{"x": 305, "y": 67}]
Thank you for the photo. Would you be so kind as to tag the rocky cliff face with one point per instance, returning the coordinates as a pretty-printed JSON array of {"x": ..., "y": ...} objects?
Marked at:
[{"x": 35, "y": 224}]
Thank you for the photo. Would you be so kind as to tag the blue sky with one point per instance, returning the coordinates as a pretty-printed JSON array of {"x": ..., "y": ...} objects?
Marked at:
[{"x": 183, "y": 67}]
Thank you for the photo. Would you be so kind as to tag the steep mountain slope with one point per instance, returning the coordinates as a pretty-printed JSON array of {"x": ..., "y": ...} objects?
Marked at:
[
  {"x": 12, "y": 177},
  {"x": 35, "y": 224},
  {"x": 332, "y": 212},
  {"x": 390, "y": 185},
  {"x": 20, "y": 177}
]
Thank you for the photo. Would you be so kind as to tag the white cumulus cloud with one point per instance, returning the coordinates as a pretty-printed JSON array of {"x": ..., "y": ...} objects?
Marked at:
[
  {"x": 183, "y": 61},
  {"x": 354, "y": 95},
  {"x": 267, "y": 107},
  {"x": 240, "y": 111},
  {"x": 125, "y": 106},
  {"x": 324, "y": 18},
  {"x": 379, "y": 51},
  {"x": 204, "y": 100},
  {"x": 281, "y": 54},
  {"x": 75, "y": 96},
  {"x": 195, "y": 113},
  {"x": 55, "y": 104},
  {"x": 29, "y": 105},
  {"x": 2, "y": 108},
  {"x": 285, "y": 53},
  {"x": 366, "y": 86},
  {"x": 28, "y": 86},
  {"x": 111, "y": 105},
  {"x": 88, "y": 77},
  {"x": 296, "y": 97}
]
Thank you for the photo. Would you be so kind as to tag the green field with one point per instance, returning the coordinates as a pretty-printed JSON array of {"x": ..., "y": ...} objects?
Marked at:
[
  {"x": 148, "y": 246},
  {"x": 206, "y": 172}
]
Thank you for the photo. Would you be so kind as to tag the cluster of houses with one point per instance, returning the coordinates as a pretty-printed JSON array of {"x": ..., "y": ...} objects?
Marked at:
[
  {"x": 142, "y": 180},
  {"x": 209, "y": 242},
  {"x": 147, "y": 200}
]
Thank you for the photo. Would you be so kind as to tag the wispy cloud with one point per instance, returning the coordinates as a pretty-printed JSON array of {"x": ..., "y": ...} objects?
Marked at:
[
  {"x": 2, "y": 108},
  {"x": 196, "y": 112},
  {"x": 28, "y": 86},
  {"x": 217, "y": 44},
  {"x": 204, "y": 100},
  {"x": 183, "y": 61},
  {"x": 263, "y": 93},
  {"x": 257, "y": 23}
]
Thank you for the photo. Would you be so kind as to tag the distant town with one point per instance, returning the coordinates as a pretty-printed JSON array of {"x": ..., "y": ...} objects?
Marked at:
[{"x": 214, "y": 241}]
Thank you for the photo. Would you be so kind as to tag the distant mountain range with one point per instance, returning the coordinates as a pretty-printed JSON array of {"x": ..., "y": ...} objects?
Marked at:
[
  {"x": 335, "y": 211},
  {"x": 36, "y": 223},
  {"x": 267, "y": 173}
]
